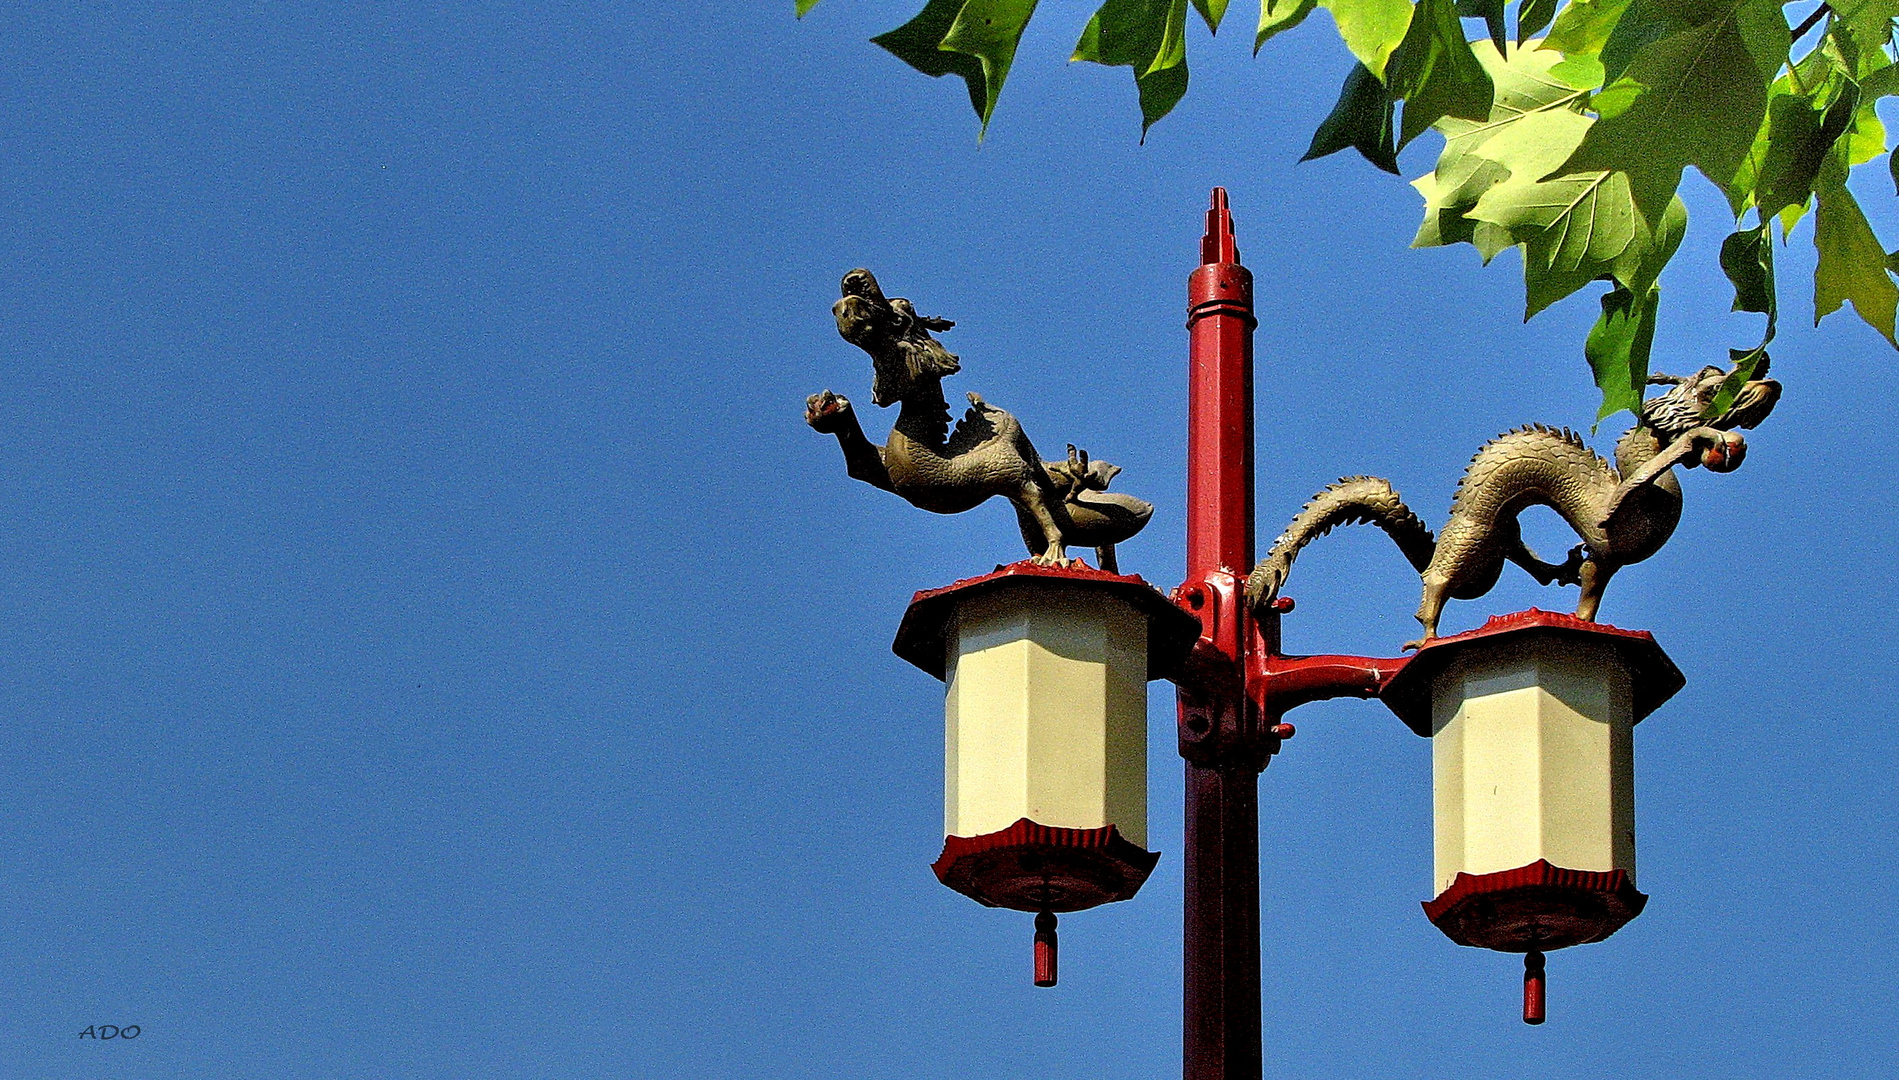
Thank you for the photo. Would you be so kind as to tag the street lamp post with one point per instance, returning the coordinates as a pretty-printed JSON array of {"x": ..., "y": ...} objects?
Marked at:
[
  {"x": 1236, "y": 686},
  {"x": 1045, "y": 661}
]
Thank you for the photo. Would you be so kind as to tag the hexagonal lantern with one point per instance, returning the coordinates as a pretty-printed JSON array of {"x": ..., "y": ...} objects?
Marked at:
[
  {"x": 1045, "y": 734},
  {"x": 1531, "y": 719}
]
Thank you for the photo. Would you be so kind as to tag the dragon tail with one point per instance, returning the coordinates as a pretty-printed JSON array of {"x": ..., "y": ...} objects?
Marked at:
[{"x": 1352, "y": 501}]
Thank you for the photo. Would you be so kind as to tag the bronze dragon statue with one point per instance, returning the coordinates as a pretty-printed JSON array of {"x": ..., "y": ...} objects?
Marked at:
[
  {"x": 1623, "y": 512},
  {"x": 1057, "y": 504}
]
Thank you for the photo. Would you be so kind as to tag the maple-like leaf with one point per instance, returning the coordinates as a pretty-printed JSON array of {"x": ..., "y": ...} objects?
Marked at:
[
  {"x": 1371, "y": 29},
  {"x": 1435, "y": 72},
  {"x": 974, "y": 39},
  {"x": 1573, "y": 228},
  {"x": 1521, "y": 86},
  {"x": 1278, "y": 16},
  {"x": 1360, "y": 120},
  {"x": 1693, "y": 95},
  {"x": 1853, "y": 265},
  {"x": 1149, "y": 36}
]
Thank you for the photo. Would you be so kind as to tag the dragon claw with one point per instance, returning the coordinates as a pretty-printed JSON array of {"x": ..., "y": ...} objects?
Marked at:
[
  {"x": 827, "y": 412},
  {"x": 1569, "y": 572}
]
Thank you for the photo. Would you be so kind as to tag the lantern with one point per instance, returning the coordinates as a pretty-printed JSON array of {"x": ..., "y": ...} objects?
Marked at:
[
  {"x": 1045, "y": 733},
  {"x": 1531, "y": 719}
]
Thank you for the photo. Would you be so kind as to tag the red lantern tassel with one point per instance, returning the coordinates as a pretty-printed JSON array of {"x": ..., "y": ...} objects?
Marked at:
[
  {"x": 1533, "y": 987},
  {"x": 1045, "y": 949}
]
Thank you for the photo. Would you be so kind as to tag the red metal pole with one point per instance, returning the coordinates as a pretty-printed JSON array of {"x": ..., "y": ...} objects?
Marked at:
[
  {"x": 1220, "y": 403},
  {"x": 1220, "y": 732},
  {"x": 1235, "y": 685}
]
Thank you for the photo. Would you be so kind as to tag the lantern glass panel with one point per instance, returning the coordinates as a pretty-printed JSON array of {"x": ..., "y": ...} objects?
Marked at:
[
  {"x": 1532, "y": 758},
  {"x": 1046, "y": 713}
]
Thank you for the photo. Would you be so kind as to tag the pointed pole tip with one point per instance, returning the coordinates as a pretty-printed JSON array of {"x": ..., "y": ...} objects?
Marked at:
[{"x": 1219, "y": 245}]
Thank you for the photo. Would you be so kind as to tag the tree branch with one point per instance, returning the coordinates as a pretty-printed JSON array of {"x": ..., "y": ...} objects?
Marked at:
[{"x": 1811, "y": 21}]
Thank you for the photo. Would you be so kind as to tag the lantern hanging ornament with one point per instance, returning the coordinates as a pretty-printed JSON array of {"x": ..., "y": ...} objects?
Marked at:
[
  {"x": 1045, "y": 734},
  {"x": 1531, "y": 720}
]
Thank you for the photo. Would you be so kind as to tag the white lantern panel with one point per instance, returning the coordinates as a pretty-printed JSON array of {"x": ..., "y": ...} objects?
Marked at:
[
  {"x": 1533, "y": 758},
  {"x": 1046, "y": 713}
]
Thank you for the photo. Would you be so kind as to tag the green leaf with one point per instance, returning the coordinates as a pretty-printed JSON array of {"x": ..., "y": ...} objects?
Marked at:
[
  {"x": 1779, "y": 171},
  {"x": 1584, "y": 26},
  {"x": 1747, "y": 258},
  {"x": 1883, "y": 82},
  {"x": 1489, "y": 189},
  {"x": 1491, "y": 12},
  {"x": 1211, "y": 12},
  {"x": 1581, "y": 71},
  {"x": 1361, "y": 120},
  {"x": 1745, "y": 365},
  {"x": 1659, "y": 246},
  {"x": 989, "y": 30},
  {"x": 1533, "y": 17},
  {"x": 1370, "y": 28},
  {"x": 919, "y": 44},
  {"x": 1559, "y": 260},
  {"x": 1645, "y": 22},
  {"x": 1580, "y": 31},
  {"x": 1853, "y": 265},
  {"x": 1149, "y": 36},
  {"x": 1522, "y": 86},
  {"x": 1618, "y": 348},
  {"x": 1694, "y": 96},
  {"x": 1866, "y": 136},
  {"x": 1892, "y": 166},
  {"x": 803, "y": 7},
  {"x": 1573, "y": 228},
  {"x": 1866, "y": 23},
  {"x": 1277, "y": 18},
  {"x": 1444, "y": 221},
  {"x": 1436, "y": 73}
]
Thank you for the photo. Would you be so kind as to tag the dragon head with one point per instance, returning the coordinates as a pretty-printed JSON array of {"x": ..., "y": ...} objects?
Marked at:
[
  {"x": 903, "y": 355},
  {"x": 1690, "y": 403}
]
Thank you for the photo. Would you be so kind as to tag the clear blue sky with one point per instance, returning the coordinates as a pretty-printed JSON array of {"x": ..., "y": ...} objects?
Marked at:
[{"x": 432, "y": 645}]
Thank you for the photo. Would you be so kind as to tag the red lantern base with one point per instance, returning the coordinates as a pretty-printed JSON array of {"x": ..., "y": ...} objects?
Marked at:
[
  {"x": 1535, "y": 908},
  {"x": 1030, "y": 867}
]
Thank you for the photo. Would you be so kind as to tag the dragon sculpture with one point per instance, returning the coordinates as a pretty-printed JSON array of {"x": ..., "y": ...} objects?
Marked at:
[
  {"x": 1623, "y": 512},
  {"x": 1057, "y": 504}
]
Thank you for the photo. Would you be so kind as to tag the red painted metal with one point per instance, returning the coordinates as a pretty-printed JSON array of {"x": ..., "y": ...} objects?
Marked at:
[
  {"x": 1281, "y": 683},
  {"x": 1045, "y": 944},
  {"x": 1220, "y": 402},
  {"x": 922, "y": 637},
  {"x": 1234, "y": 686},
  {"x": 1220, "y": 733},
  {"x": 1535, "y": 908},
  {"x": 1534, "y": 987},
  {"x": 1034, "y": 867},
  {"x": 1653, "y": 677}
]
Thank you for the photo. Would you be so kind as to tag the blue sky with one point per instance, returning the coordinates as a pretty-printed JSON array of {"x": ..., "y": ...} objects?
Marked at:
[{"x": 432, "y": 645}]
